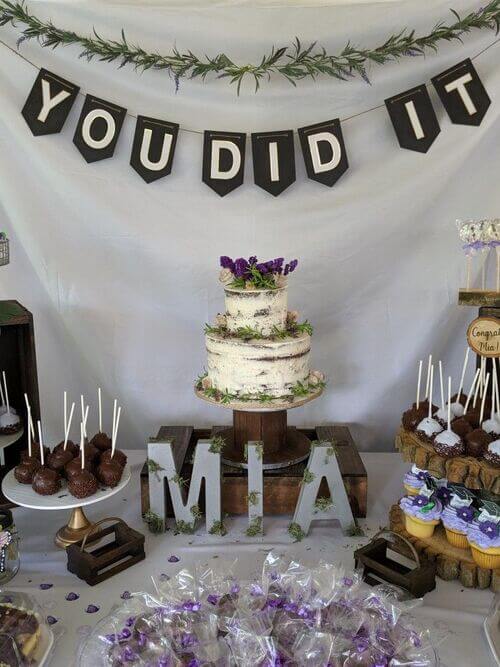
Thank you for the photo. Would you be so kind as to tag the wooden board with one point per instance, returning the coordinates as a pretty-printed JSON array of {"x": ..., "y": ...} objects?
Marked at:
[
  {"x": 281, "y": 486},
  {"x": 477, "y": 297},
  {"x": 451, "y": 562},
  {"x": 474, "y": 473}
]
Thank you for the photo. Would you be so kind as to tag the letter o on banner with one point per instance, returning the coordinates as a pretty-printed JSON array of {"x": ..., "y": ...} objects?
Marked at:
[
  {"x": 324, "y": 151},
  {"x": 223, "y": 160},
  {"x": 98, "y": 128}
]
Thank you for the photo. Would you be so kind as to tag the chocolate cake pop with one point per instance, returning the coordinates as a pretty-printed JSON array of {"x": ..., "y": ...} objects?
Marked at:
[
  {"x": 101, "y": 441},
  {"x": 70, "y": 447},
  {"x": 74, "y": 467},
  {"x": 83, "y": 484},
  {"x": 461, "y": 427},
  {"x": 492, "y": 453},
  {"x": 35, "y": 452},
  {"x": 476, "y": 442},
  {"x": 429, "y": 427},
  {"x": 447, "y": 443},
  {"x": 58, "y": 460},
  {"x": 412, "y": 417},
  {"x": 46, "y": 482},
  {"x": 118, "y": 457},
  {"x": 109, "y": 473},
  {"x": 25, "y": 471}
]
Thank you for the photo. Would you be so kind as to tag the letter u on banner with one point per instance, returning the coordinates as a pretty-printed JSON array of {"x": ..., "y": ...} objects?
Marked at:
[
  {"x": 223, "y": 160},
  {"x": 49, "y": 103},
  {"x": 153, "y": 148},
  {"x": 462, "y": 93},
  {"x": 273, "y": 160},
  {"x": 98, "y": 128},
  {"x": 324, "y": 151},
  {"x": 414, "y": 119}
]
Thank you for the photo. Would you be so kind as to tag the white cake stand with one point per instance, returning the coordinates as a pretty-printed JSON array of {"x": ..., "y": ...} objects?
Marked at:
[{"x": 78, "y": 524}]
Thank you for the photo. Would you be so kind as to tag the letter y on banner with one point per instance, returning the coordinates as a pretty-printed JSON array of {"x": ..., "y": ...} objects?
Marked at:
[
  {"x": 223, "y": 160},
  {"x": 49, "y": 103}
]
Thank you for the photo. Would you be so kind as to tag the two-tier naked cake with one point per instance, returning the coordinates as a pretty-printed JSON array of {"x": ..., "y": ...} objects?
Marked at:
[{"x": 257, "y": 351}]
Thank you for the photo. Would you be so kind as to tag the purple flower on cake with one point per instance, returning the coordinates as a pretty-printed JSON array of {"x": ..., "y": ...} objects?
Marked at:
[
  {"x": 212, "y": 599},
  {"x": 490, "y": 529},
  {"x": 240, "y": 267},
  {"x": 444, "y": 494},
  {"x": 421, "y": 507},
  {"x": 420, "y": 501},
  {"x": 227, "y": 263},
  {"x": 466, "y": 514},
  {"x": 478, "y": 534}
]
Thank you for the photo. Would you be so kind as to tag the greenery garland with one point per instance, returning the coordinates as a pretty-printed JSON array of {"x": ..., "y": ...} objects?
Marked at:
[{"x": 294, "y": 62}]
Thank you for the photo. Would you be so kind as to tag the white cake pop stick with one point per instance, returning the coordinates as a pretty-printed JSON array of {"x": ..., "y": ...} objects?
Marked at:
[
  {"x": 82, "y": 446},
  {"x": 85, "y": 417},
  {"x": 472, "y": 390},
  {"x": 82, "y": 406},
  {"x": 449, "y": 403},
  {"x": 68, "y": 427},
  {"x": 30, "y": 418},
  {"x": 418, "y": 382},
  {"x": 100, "y": 409},
  {"x": 483, "y": 402},
  {"x": 493, "y": 391},
  {"x": 498, "y": 269},
  {"x": 2, "y": 397},
  {"x": 468, "y": 268},
  {"x": 431, "y": 382},
  {"x": 42, "y": 455},
  {"x": 115, "y": 404},
  {"x": 497, "y": 393},
  {"x": 29, "y": 431},
  {"x": 441, "y": 384},
  {"x": 65, "y": 411},
  {"x": 115, "y": 432},
  {"x": 429, "y": 364},
  {"x": 6, "y": 392},
  {"x": 477, "y": 390},
  {"x": 462, "y": 377}
]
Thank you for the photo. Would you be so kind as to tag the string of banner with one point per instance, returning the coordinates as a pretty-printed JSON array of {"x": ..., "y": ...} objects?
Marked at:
[{"x": 411, "y": 112}]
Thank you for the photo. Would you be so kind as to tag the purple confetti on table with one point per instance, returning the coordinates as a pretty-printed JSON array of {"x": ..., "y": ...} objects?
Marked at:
[
  {"x": 45, "y": 587},
  {"x": 92, "y": 608},
  {"x": 164, "y": 577},
  {"x": 173, "y": 559},
  {"x": 125, "y": 595},
  {"x": 71, "y": 597},
  {"x": 51, "y": 620}
]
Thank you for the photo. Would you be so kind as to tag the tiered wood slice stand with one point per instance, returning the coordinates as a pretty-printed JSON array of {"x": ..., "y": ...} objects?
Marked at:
[{"x": 452, "y": 562}]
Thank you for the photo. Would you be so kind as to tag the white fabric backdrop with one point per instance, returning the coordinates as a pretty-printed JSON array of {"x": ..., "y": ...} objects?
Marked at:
[{"x": 121, "y": 276}]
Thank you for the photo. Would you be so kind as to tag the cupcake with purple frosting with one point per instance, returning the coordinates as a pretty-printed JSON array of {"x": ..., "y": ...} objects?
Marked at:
[
  {"x": 422, "y": 512},
  {"x": 458, "y": 516},
  {"x": 414, "y": 480},
  {"x": 483, "y": 536}
]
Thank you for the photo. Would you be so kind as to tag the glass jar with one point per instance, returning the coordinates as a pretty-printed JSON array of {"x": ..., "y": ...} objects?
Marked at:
[{"x": 9, "y": 547}]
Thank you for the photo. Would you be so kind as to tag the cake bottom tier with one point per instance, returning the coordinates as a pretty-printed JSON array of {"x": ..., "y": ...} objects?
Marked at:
[{"x": 256, "y": 367}]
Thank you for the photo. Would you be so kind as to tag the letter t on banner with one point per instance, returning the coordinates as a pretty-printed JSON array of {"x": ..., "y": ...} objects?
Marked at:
[
  {"x": 223, "y": 160},
  {"x": 324, "y": 151},
  {"x": 414, "y": 119},
  {"x": 49, "y": 103},
  {"x": 462, "y": 93}
]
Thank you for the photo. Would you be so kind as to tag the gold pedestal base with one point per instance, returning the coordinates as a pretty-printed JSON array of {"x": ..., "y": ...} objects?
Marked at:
[{"x": 74, "y": 530}]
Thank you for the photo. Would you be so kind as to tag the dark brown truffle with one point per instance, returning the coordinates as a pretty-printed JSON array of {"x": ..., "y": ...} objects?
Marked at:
[
  {"x": 26, "y": 470},
  {"x": 46, "y": 481},
  {"x": 476, "y": 442},
  {"x": 101, "y": 441},
  {"x": 413, "y": 417},
  {"x": 91, "y": 452},
  {"x": 83, "y": 484},
  {"x": 70, "y": 447},
  {"x": 109, "y": 473},
  {"x": 73, "y": 467},
  {"x": 118, "y": 457},
  {"x": 472, "y": 416},
  {"x": 35, "y": 452},
  {"x": 424, "y": 405},
  {"x": 461, "y": 427},
  {"x": 58, "y": 460}
]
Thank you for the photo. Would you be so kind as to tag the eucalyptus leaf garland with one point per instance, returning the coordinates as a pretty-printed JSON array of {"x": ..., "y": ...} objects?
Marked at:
[{"x": 294, "y": 62}]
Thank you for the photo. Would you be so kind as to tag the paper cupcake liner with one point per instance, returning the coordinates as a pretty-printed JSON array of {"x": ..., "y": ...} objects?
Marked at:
[
  {"x": 412, "y": 491},
  {"x": 457, "y": 539},
  {"x": 488, "y": 560},
  {"x": 419, "y": 528}
]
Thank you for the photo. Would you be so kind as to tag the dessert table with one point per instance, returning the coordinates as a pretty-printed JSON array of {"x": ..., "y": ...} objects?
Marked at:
[{"x": 455, "y": 614}]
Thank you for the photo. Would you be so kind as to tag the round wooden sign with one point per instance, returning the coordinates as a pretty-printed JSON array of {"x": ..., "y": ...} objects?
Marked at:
[{"x": 483, "y": 336}]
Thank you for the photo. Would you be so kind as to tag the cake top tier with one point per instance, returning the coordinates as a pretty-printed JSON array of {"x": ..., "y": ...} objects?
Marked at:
[{"x": 250, "y": 274}]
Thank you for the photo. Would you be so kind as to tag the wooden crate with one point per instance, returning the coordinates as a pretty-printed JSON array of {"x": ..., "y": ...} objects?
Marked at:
[{"x": 281, "y": 486}]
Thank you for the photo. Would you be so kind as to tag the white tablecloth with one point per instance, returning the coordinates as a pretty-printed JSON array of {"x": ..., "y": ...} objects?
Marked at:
[{"x": 451, "y": 610}]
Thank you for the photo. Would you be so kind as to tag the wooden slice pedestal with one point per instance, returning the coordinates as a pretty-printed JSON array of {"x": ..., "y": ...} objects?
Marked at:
[{"x": 283, "y": 446}]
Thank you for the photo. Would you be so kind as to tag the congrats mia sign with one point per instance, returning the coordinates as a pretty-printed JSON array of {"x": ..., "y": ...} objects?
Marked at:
[{"x": 483, "y": 336}]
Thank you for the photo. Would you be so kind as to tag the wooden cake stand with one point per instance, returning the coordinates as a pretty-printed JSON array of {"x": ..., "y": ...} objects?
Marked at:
[
  {"x": 267, "y": 423},
  {"x": 78, "y": 524}
]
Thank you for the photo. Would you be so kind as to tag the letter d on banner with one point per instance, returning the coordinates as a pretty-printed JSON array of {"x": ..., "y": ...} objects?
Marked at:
[
  {"x": 324, "y": 151},
  {"x": 223, "y": 160}
]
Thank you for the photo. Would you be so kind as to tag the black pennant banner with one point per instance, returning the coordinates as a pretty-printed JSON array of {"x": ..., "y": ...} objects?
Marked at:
[
  {"x": 49, "y": 103},
  {"x": 414, "y": 119},
  {"x": 153, "y": 148},
  {"x": 98, "y": 128},
  {"x": 462, "y": 93},
  {"x": 325, "y": 156},
  {"x": 324, "y": 151},
  {"x": 273, "y": 160},
  {"x": 223, "y": 160}
]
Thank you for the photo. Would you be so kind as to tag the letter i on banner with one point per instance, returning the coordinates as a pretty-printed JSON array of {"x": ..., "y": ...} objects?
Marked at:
[
  {"x": 223, "y": 160},
  {"x": 153, "y": 148},
  {"x": 49, "y": 103},
  {"x": 462, "y": 93},
  {"x": 98, "y": 128},
  {"x": 414, "y": 119},
  {"x": 324, "y": 151},
  {"x": 273, "y": 160}
]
